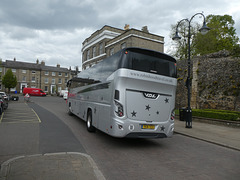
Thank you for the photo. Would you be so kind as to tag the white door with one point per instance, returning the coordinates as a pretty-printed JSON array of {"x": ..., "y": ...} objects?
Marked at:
[
  {"x": 23, "y": 85},
  {"x": 53, "y": 89}
]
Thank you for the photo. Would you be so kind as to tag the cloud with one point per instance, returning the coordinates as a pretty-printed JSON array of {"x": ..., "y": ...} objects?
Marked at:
[
  {"x": 46, "y": 14},
  {"x": 19, "y": 33},
  {"x": 53, "y": 30}
]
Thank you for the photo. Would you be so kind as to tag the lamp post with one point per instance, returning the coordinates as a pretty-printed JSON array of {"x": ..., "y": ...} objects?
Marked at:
[{"x": 204, "y": 29}]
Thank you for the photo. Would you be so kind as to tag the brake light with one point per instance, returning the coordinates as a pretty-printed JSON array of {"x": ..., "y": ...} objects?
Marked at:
[
  {"x": 119, "y": 109},
  {"x": 173, "y": 115}
]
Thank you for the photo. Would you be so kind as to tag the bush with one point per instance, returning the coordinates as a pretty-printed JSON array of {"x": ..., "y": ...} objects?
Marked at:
[
  {"x": 216, "y": 114},
  {"x": 224, "y": 111}
]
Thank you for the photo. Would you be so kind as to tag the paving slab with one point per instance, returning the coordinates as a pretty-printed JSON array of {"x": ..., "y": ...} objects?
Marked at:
[
  {"x": 217, "y": 134},
  {"x": 52, "y": 166}
]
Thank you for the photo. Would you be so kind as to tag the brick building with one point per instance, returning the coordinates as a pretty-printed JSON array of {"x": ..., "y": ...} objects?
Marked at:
[
  {"x": 109, "y": 40},
  {"x": 37, "y": 75}
]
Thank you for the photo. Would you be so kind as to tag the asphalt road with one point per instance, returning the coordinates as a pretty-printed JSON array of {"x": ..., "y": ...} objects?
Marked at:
[
  {"x": 34, "y": 130},
  {"x": 178, "y": 157}
]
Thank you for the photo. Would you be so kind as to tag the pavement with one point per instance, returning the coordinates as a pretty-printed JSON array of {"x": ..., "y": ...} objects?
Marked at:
[
  {"x": 74, "y": 165},
  {"x": 225, "y": 136},
  {"x": 52, "y": 166}
]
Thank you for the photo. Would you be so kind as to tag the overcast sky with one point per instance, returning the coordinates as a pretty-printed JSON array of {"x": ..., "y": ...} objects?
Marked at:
[{"x": 53, "y": 30}]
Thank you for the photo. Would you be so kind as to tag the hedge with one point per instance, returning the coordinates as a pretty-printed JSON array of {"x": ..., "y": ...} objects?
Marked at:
[
  {"x": 224, "y": 111},
  {"x": 215, "y": 114}
]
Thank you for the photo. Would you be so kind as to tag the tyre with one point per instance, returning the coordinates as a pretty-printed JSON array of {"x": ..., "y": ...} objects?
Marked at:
[
  {"x": 6, "y": 106},
  {"x": 90, "y": 127}
]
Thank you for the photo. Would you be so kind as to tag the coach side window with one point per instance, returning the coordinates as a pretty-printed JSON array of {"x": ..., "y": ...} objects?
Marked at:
[
  {"x": 110, "y": 65},
  {"x": 91, "y": 73}
]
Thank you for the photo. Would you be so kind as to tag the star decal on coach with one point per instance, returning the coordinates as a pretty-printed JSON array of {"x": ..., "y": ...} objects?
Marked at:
[
  {"x": 134, "y": 114},
  {"x": 162, "y": 128},
  {"x": 148, "y": 107},
  {"x": 166, "y": 100}
]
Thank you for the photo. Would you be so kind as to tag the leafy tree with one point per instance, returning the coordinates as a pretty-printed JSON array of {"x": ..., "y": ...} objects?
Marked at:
[
  {"x": 221, "y": 36},
  {"x": 236, "y": 51},
  {"x": 9, "y": 80},
  {"x": 181, "y": 46}
]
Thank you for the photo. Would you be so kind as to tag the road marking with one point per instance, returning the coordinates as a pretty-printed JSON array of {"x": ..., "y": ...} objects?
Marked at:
[
  {"x": 16, "y": 122},
  {"x": 1, "y": 117},
  {"x": 37, "y": 116},
  {"x": 19, "y": 113}
]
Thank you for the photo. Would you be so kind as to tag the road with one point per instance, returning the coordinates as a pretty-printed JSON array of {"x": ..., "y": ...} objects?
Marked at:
[
  {"x": 178, "y": 157},
  {"x": 34, "y": 130}
]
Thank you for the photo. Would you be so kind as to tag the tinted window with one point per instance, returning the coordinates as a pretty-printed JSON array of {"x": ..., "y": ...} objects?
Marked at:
[
  {"x": 151, "y": 64},
  {"x": 100, "y": 71},
  {"x": 109, "y": 65},
  {"x": 91, "y": 73}
]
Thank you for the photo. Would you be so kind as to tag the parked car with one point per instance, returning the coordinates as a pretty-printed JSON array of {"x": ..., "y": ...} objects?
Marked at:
[
  {"x": 33, "y": 92},
  {"x": 14, "y": 98},
  {"x": 4, "y": 95},
  {"x": 3, "y": 104}
]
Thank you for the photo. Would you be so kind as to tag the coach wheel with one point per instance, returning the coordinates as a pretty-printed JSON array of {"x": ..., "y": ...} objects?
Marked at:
[{"x": 90, "y": 127}]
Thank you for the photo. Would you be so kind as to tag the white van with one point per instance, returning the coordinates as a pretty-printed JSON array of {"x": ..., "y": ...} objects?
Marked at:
[{"x": 65, "y": 95}]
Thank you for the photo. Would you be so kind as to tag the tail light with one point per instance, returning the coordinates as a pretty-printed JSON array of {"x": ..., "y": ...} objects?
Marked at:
[
  {"x": 173, "y": 115},
  {"x": 119, "y": 109}
]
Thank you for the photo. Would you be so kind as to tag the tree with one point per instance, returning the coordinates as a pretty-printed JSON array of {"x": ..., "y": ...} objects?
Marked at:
[
  {"x": 221, "y": 36},
  {"x": 9, "y": 80},
  {"x": 181, "y": 46}
]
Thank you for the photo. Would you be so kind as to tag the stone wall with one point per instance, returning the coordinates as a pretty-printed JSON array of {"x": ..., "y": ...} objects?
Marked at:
[{"x": 215, "y": 82}]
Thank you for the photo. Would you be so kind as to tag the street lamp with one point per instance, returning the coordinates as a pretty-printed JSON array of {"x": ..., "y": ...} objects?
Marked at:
[{"x": 204, "y": 29}]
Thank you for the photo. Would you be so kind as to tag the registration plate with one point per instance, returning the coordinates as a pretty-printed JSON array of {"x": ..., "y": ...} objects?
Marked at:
[{"x": 144, "y": 126}]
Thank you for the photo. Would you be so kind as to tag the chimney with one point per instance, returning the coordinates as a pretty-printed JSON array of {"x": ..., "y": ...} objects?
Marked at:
[
  {"x": 126, "y": 27},
  {"x": 14, "y": 59},
  {"x": 37, "y": 61},
  {"x": 145, "y": 29},
  {"x": 43, "y": 63},
  {"x": 76, "y": 68},
  {"x": 58, "y": 65}
]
